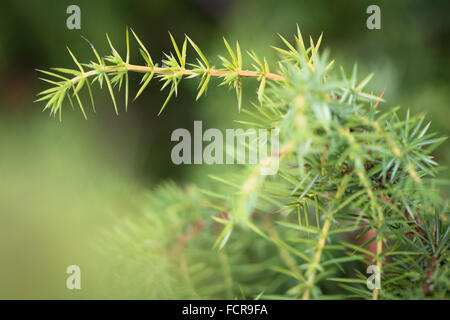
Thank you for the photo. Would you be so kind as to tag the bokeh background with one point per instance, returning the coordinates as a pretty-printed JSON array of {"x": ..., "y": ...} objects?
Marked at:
[{"x": 62, "y": 183}]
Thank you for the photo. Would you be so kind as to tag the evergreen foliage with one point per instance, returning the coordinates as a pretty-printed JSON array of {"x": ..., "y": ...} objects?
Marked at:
[{"x": 357, "y": 186}]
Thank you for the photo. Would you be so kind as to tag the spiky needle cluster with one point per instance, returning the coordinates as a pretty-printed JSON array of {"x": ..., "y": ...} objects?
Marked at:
[
  {"x": 345, "y": 164},
  {"x": 171, "y": 72}
]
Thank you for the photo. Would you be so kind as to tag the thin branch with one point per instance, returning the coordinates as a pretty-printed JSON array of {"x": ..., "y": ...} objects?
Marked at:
[{"x": 185, "y": 72}]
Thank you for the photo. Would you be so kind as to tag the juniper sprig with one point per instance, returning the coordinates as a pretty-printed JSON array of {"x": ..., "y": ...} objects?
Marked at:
[
  {"x": 171, "y": 72},
  {"x": 357, "y": 186}
]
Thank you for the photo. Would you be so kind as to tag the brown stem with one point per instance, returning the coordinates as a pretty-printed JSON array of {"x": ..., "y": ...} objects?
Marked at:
[
  {"x": 181, "y": 240},
  {"x": 186, "y": 72}
]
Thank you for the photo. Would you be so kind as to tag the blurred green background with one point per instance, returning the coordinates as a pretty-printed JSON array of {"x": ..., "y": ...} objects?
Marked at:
[{"x": 61, "y": 183}]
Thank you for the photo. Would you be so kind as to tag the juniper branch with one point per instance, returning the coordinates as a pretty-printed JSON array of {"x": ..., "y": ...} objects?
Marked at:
[
  {"x": 170, "y": 72},
  {"x": 184, "y": 72},
  {"x": 342, "y": 155}
]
